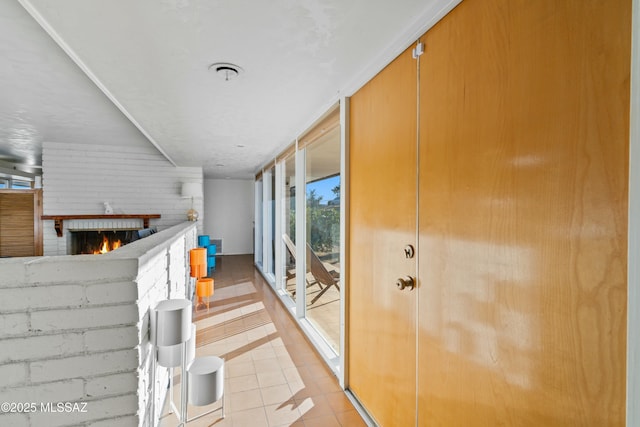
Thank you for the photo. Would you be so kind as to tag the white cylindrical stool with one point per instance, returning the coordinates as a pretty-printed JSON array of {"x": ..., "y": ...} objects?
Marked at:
[
  {"x": 171, "y": 356},
  {"x": 205, "y": 383},
  {"x": 170, "y": 325},
  {"x": 171, "y": 322}
]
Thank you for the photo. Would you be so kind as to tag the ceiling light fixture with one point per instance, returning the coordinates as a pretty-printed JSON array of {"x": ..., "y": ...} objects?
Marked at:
[{"x": 226, "y": 71}]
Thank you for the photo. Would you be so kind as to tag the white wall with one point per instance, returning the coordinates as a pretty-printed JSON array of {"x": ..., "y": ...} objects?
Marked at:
[
  {"x": 228, "y": 204},
  {"x": 78, "y": 179}
]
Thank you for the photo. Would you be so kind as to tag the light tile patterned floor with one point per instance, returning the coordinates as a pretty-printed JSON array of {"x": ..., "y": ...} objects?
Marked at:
[{"x": 273, "y": 375}]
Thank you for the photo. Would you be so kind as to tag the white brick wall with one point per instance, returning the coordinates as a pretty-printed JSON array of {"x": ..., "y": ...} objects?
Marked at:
[
  {"x": 15, "y": 373},
  {"x": 94, "y": 317},
  {"x": 75, "y": 329},
  {"x": 78, "y": 179},
  {"x": 154, "y": 287},
  {"x": 38, "y": 347},
  {"x": 14, "y": 324},
  {"x": 109, "y": 408},
  {"x": 116, "y": 422},
  {"x": 59, "y": 391},
  {"x": 111, "y": 339},
  {"x": 109, "y": 385}
]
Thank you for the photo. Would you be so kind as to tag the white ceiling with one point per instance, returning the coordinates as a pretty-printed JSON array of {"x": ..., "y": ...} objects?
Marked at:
[{"x": 124, "y": 72}]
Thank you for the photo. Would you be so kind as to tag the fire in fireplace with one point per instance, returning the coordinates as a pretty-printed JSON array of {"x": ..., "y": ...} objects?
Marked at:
[
  {"x": 100, "y": 242},
  {"x": 108, "y": 245}
]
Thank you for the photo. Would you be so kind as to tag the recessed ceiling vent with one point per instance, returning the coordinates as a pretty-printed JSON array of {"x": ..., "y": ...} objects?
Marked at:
[{"x": 226, "y": 71}]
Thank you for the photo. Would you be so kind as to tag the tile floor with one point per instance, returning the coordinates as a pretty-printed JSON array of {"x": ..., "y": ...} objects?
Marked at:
[{"x": 273, "y": 375}]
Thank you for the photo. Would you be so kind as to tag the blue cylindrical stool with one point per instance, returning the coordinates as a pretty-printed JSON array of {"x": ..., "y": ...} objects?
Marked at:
[
  {"x": 211, "y": 257},
  {"x": 203, "y": 241}
]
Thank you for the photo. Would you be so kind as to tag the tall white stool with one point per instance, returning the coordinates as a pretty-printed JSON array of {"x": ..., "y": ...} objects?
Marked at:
[
  {"x": 205, "y": 384},
  {"x": 171, "y": 329},
  {"x": 171, "y": 357}
]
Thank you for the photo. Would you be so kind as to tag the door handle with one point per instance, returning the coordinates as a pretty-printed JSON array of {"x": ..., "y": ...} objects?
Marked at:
[{"x": 406, "y": 282}]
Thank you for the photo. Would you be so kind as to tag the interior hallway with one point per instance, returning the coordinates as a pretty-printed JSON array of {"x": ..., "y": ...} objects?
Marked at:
[{"x": 273, "y": 375}]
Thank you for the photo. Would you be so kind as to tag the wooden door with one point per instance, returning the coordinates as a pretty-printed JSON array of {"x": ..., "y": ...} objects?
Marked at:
[
  {"x": 523, "y": 214},
  {"x": 20, "y": 231},
  {"x": 382, "y": 216}
]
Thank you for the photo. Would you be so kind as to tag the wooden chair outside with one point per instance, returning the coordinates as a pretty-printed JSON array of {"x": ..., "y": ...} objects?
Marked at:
[
  {"x": 291, "y": 247},
  {"x": 320, "y": 273}
]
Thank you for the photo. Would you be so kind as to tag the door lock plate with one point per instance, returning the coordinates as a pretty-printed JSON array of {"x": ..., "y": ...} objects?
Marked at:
[{"x": 409, "y": 251}]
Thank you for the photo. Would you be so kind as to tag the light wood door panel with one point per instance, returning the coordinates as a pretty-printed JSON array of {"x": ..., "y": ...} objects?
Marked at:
[
  {"x": 523, "y": 224},
  {"x": 382, "y": 171},
  {"x": 19, "y": 223}
]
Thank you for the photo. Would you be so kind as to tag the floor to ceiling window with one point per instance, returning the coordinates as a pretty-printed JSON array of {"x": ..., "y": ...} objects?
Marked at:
[
  {"x": 323, "y": 235},
  {"x": 272, "y": 223},
  {"x": 268, "y": 221},
  {"x": 257, "y": 243},
  {"x": 301, "y": 235},
  {"x": 289, "y": 225}
]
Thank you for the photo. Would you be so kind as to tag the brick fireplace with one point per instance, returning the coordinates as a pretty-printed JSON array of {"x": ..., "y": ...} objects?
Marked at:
[
  {"x": 79, "y": 178},
  {"x": 91, "y": 234},
  {"x": 99, "y": 241}
]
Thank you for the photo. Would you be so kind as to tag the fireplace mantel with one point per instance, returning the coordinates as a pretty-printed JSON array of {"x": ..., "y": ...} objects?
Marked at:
[{"x": 59, "y": 219}]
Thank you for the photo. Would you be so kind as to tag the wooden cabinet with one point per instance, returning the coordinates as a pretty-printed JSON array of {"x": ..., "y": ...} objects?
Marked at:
[
  {"x": 20, "y": 224},
  {"x": 521, "y": 159}
]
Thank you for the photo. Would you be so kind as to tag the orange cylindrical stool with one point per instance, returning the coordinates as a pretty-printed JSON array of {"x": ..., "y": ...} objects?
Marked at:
[
  {"x": 198, "y": 262},
  {"x": 204, "y": 288}
]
